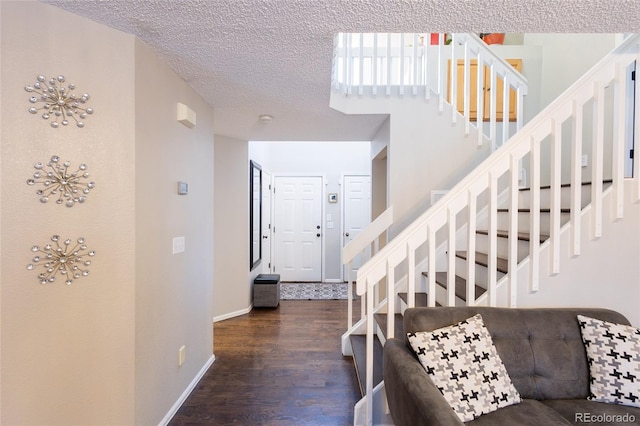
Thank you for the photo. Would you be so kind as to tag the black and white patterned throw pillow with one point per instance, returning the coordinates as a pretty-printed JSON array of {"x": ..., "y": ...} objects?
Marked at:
[
  {"x": 613, "y": 351},
  {"x": 463, "y": 363}
]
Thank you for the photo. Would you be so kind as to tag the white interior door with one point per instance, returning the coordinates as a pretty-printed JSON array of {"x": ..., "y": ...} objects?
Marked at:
[
  {"x": 356, "y": 211},
  {"x": 297, "y": 228},
  {"x": 266, "y": 222}
]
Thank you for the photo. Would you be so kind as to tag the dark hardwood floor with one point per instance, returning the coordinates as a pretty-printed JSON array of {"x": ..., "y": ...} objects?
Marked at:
[{"x": 278, "y": 366}]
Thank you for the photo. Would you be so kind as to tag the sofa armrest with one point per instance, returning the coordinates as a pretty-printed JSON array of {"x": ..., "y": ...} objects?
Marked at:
[{"x": 413, "y": 398}]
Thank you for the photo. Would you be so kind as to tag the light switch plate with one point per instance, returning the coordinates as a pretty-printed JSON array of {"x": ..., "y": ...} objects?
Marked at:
[{"x": 178, "y": 245}]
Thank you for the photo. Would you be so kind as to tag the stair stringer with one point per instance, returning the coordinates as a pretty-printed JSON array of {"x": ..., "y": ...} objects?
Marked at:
[
  {"x": 579, "y": 284},
  {"x": 381, "y": 415}
]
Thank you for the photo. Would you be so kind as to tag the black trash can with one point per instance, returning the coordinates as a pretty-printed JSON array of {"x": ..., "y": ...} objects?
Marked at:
[{"x": 266, "y": 291}]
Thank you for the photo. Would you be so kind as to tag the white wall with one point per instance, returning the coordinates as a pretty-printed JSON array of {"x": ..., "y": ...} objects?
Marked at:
[
  {"x": 232, "y": 286},
  {"x": 605, "y": 275},
  {"x": 104, "y": 349},
  {"x": 426, "y": 151},
  {"x": 174, "y": 293},
  {"x": 379, "y": 170},
  {"x": 566, "y": 57},
  {"x": 329, "y": 159}
]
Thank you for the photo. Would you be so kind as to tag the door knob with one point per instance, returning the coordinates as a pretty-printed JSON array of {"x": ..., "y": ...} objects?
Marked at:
[
  {"x": 265, "y": 236},
  {"x": 346, "y": 234},
  {"x": 318, "y": 235},
  {"x": 318, "y": 227}
]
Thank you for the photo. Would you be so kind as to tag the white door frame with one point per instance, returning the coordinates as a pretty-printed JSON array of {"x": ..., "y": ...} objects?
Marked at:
[
  {"x": 267, "y": 184},
  {"x": 342, "y": 213},
  {"x": 323, "y": 195}
]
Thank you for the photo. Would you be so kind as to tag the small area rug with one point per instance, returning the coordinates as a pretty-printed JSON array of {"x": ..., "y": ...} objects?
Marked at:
[{"x": 313, "y": 291}]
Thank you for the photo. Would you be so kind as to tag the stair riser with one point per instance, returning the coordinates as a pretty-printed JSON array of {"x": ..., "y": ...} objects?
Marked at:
[
  {"x": 524, "y": 221},
  {"x": 524, "y": 197},
  {"x": 482, "y": 245},
  {"x": 481, "y": 272},
  {"x": 441, "y": 297}
]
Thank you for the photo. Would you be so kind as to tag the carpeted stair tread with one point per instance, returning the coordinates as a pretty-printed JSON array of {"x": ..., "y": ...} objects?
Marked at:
[
  {"x": 381, "y": 320},
  {"x": 359, "y": 347},
  {"x": 522, "y": 236},
  {"x": 502, "y": 265}
]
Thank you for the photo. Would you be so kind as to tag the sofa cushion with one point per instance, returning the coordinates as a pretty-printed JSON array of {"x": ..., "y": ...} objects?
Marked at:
[
  {"x": 613, "y": 351},
  {"x": 463, "y": 363},
  {"x": 582, "y": 411},
  {"x": 542, "y": 349},
  {"x": 528, "y": 413}
]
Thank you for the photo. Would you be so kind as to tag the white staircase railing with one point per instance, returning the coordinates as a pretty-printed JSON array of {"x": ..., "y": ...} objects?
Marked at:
[
  {"x": 366, "y": 244},
  {"x": 403, "y": 64},
  {"x": 604, "y": 85}
]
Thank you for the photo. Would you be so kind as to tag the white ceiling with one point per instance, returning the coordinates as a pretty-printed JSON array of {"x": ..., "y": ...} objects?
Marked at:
[{"x": 252, "y": 57}]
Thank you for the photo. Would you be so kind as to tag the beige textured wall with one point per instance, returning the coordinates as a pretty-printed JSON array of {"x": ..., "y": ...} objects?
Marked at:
[
  {"x": 174, "y": 293},
  {"x": 232, "y": 279},
  {"x": 105, "y": 349},
  {"x": 67, "y": 351}
]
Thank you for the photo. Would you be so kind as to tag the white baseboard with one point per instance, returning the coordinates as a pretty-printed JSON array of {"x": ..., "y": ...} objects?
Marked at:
[
  {"x": 233, "y": 314},
  {"x": 174, "y": 409},
  {"x": 333, "y": 280}
]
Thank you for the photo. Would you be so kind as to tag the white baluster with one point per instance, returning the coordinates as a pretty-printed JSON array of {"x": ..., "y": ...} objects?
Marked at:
[
  {"x": 425, "y": 70},
  {"x": 401, "y": 87},
  {"x": 411, "y": 276},
  {"x": 345, "y": 63},
  {"x": 414, "y": 77},
  {"x": 454, "y": 83},
  {"x": 506, "y": 90},
  {"x": 350, "y": 294},
  {"x": 374, "y": 66},
  {"x": 451, "y": 267},
  {"x": 519, "y": 109},
  {"x": 391, "y": 299},
  {"x": 369, "y": 372},
  {"x": 513, "y": 231},
  {"x": 467, "y": 88},
  {"x": 471, "y": 248},
  {"x": 534, "y": 243},
  {"x": 597, "y": 161},
  {"x": 349, "y": 80},
  {"x": 555, "y": 192},
  {"x": 431, "y": 278},
  {"x": 492, "y": 106},
  {"x": 619, "y": 126},
  {"x": 440, "y": 94},
  {"x": 361, "y": 66},
  {"x": 492, "y": 255},
  {"x": 576, "y": 177},
  {"x": 388, "y": 91},
  {"x": 480, "y": 99}
]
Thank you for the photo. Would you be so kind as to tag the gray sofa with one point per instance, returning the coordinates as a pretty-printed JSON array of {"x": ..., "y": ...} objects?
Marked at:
[{"x": 541, "y": 349}]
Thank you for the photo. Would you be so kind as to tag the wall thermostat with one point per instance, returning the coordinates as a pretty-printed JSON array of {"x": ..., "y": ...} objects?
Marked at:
[{"x": 183, "y": 188}]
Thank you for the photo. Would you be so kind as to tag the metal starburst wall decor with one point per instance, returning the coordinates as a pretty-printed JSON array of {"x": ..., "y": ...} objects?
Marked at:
[
  {"x": 58, "y": 102},
  {"x": 67, "y": 259},
  {"x": 58, "y": 180}
]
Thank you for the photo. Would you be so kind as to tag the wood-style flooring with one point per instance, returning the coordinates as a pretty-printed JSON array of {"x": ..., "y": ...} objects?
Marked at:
[{"x": 279, "y": 366}]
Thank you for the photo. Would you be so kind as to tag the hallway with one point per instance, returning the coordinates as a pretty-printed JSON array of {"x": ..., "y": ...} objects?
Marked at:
[{"x": 277, "y": 367}]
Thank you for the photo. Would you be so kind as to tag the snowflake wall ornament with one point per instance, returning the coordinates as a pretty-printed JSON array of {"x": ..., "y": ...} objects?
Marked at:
[
  {"x": 68, "y": 185},
  {"x": 69, "y": 260},
  {"x": 58, "y": 102}
]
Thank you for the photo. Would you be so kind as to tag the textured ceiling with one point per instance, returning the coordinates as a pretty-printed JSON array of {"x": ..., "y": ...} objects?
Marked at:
[{"x": 252, "y": 57}]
